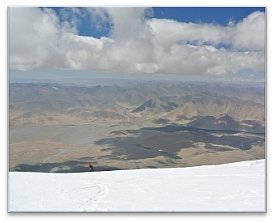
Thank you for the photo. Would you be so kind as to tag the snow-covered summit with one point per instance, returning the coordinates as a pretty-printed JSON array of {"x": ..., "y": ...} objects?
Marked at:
[{"x": 228, "y": 187}]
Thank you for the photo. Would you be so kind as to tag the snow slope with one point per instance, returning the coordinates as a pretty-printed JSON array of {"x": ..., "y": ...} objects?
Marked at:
[{"x": 229, "y": 187}]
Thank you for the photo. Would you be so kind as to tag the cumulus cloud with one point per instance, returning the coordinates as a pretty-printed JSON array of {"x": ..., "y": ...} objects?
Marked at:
[
  {"x": 249, "y": 34},
  {"x": 137, "y": 43},
  {"x": 33, "y": 39},
  {"x": 245, "y": 35}
]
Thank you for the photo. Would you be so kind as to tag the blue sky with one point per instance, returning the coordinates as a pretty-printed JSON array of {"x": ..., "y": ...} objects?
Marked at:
[{"x": 216, "y": 15}]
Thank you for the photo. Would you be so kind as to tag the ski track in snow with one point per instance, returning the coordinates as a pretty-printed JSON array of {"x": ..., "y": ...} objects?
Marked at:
[
  {"x": 92, "y": 201},
  {"x": 228, "y": 187}
]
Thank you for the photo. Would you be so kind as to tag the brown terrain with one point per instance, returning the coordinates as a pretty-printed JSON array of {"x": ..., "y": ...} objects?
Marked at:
[{"x": 61, "y": 128}]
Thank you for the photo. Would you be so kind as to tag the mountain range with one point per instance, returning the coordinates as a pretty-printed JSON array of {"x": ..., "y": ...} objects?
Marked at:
[{"x": 193, "y": 103}]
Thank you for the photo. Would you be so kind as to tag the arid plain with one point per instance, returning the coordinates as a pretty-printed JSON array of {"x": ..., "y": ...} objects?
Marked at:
[{"x": 56, "y": 127}]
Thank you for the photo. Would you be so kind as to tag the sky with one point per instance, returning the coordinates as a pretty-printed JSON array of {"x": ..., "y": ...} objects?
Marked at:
[{"x": 198, "y": 42}]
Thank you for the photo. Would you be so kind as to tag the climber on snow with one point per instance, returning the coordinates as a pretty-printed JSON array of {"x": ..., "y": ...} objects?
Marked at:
[{"x": 91, "y": 167}]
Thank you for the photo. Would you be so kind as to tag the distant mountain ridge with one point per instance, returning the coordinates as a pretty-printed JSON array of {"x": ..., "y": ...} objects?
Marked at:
[
  {"x": 156, "y": 104},
  {"x": 38, "y": 103}
]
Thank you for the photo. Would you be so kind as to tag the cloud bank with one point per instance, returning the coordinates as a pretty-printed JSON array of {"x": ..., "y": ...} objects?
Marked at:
[{"x": 137, "y": 43}]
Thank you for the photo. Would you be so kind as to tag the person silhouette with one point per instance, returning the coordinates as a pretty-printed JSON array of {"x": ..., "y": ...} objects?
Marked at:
[{"x": 91, "y": 167}]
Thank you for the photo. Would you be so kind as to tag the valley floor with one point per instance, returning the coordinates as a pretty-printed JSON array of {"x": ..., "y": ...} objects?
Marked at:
[{"x": 234, "y": 187}]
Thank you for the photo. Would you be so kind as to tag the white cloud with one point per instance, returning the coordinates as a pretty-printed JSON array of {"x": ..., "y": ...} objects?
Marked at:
[
  {"x": 99, "y": 17},
  {"x": 170, "y": 32},
  {"x": 245, "y": 35},
  {"x": 33, "y": 37},
  {"x": 249, "y": 34},
  {"x": 38, "y": 39}
]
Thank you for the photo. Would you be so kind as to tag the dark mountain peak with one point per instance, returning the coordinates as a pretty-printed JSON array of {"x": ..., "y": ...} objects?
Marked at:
[
  {"x": 161, "y": 121},
  {"x": 156, "y": 104},
  {"x": 151, "y": 103}
]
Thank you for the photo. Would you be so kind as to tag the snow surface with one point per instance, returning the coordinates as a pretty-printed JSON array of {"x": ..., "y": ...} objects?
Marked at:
[{"x": 237, "y": 187}]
